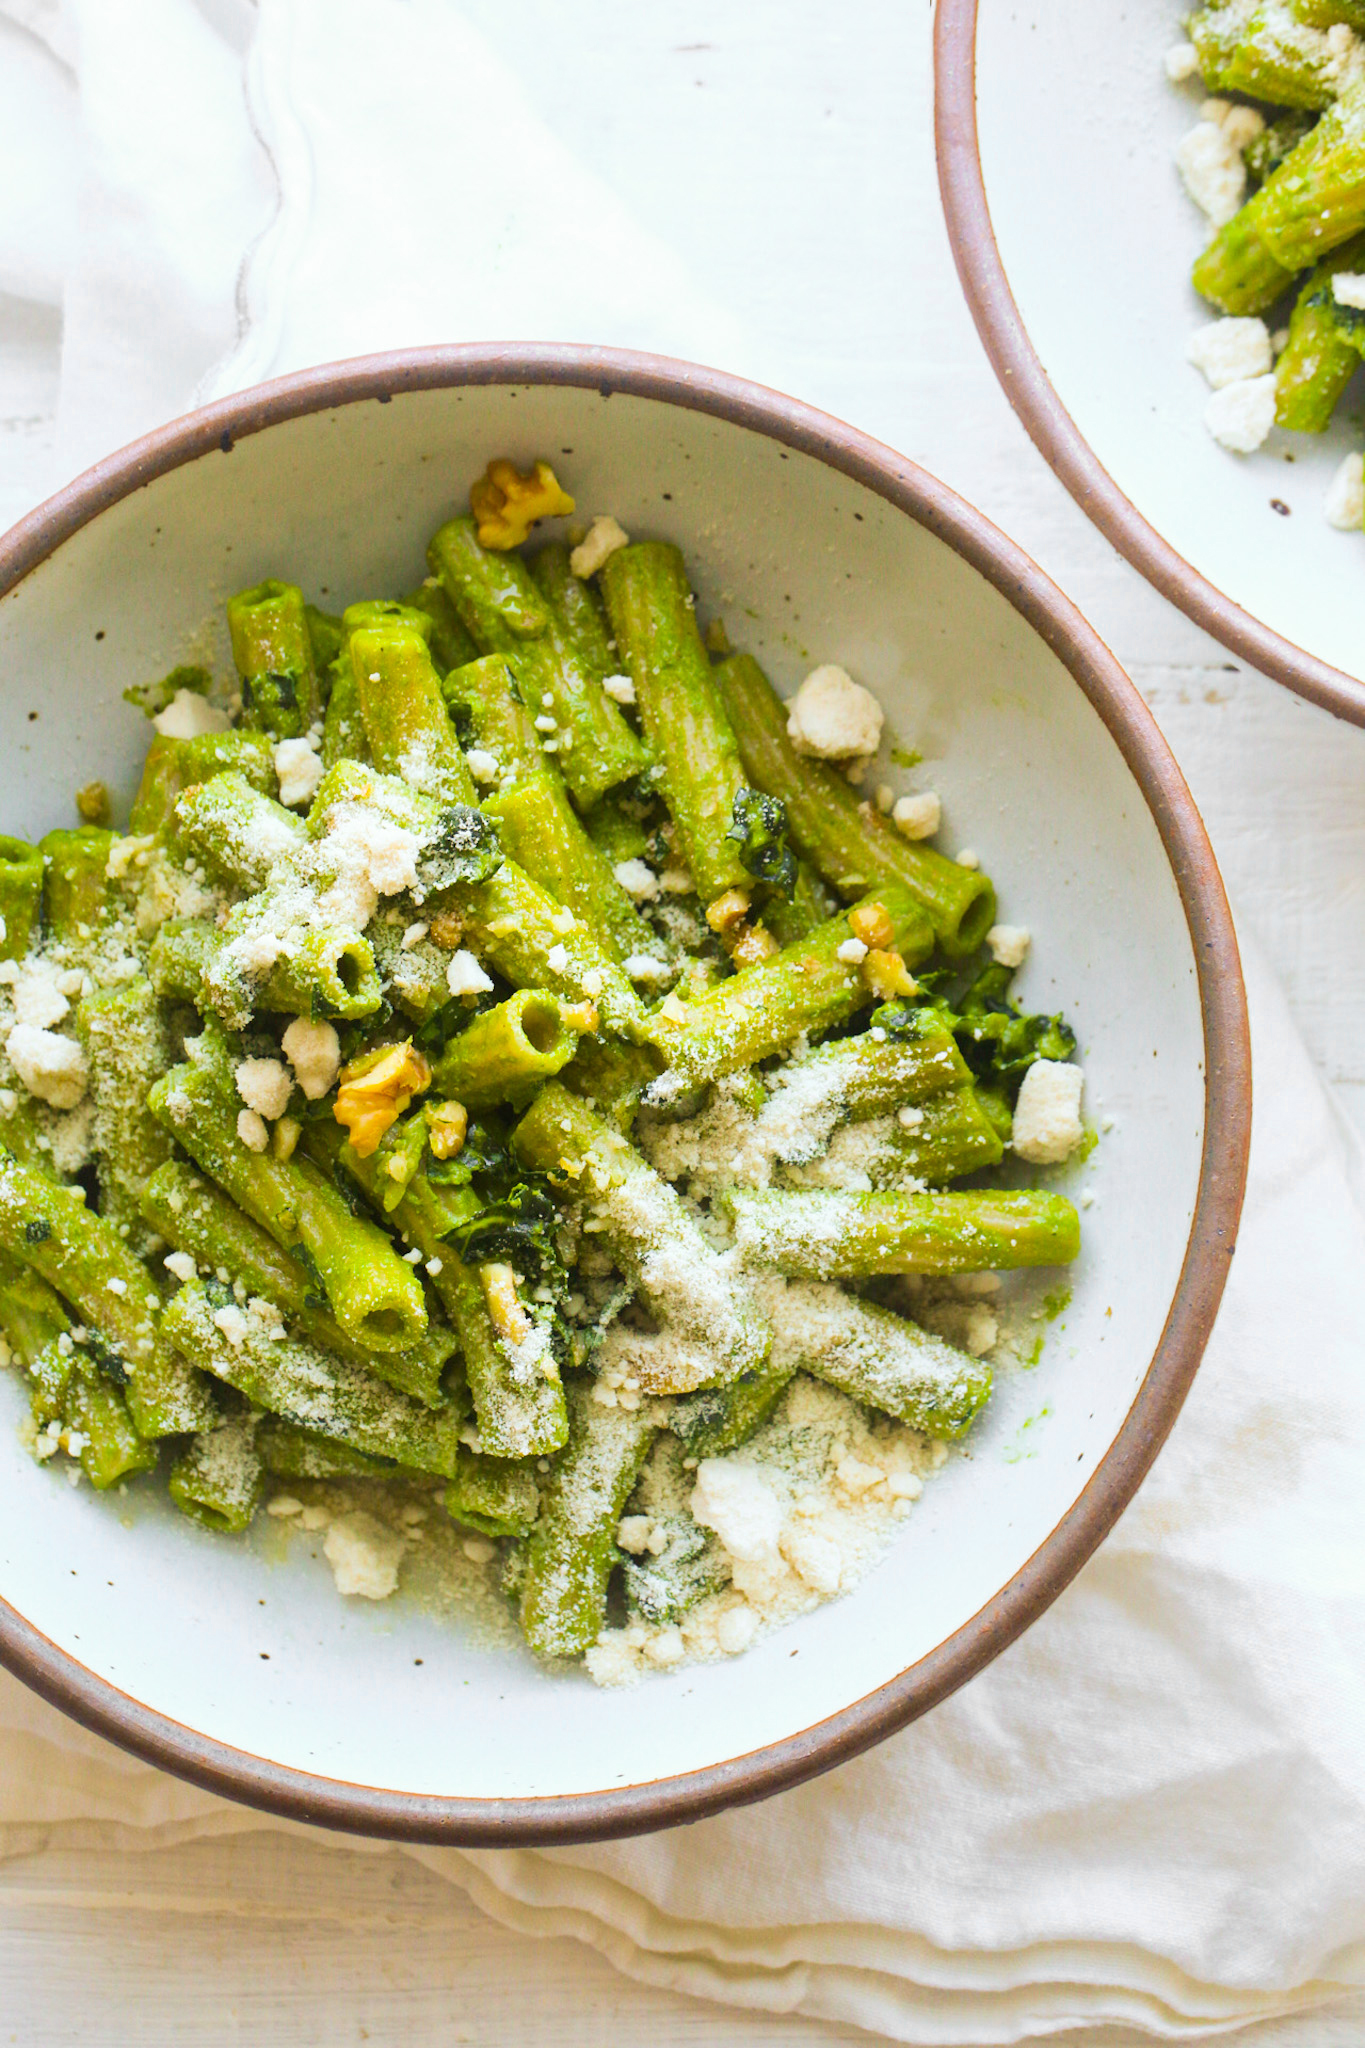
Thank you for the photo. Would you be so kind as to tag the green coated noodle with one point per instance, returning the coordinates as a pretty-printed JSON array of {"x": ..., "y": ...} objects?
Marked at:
[
  {"x": 571, "y": 1551},
  {"x": 219, "y": 1477},
  {"x": 824, "y": 1235},
  {"x": 306, "y": 1386}
]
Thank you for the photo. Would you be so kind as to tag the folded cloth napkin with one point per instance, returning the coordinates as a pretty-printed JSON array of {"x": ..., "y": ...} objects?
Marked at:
[{"x": 1150, "y": 1812}]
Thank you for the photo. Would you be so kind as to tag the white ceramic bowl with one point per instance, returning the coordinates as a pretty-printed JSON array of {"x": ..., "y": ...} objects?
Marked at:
[
  {"x": 1074, "y": 237},
  {"x": 256, "y": 1678}
]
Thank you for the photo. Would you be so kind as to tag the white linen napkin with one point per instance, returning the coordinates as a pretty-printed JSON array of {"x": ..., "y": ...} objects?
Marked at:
[{"x": 1150, "y": 1812}]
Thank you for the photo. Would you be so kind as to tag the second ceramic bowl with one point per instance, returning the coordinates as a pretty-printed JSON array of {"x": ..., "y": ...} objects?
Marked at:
[{"x": 1073, "y": 238}]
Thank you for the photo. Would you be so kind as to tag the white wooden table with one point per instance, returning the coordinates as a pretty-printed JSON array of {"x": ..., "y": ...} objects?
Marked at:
[{"x": 784, "y": 149}]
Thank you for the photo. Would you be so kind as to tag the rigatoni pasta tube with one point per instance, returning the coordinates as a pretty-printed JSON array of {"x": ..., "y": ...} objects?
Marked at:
[
  {"x": 572, "y": 1548},
  {"x": 824, "y": 1235},
  {"x": 192, "y": 1213},
  {"x": 805, "y": 987},
  {"x": 373, "y": 1294},
  {"x": 650, "y": 604},
  {"x": 504, "y": 612},
  {"x": 85, "y": 1259},
  {"x": 874, "y": 1356},
  {"x": 852, "y": 845},
  {"x": 308, "y": 1386}
]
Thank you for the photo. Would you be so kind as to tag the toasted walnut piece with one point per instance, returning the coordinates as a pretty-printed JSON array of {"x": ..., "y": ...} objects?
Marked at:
[
  {"x": 507, "y": 504},
  {"x": 373, "y": 1092},
  {"x": 887, "y": 975},
  {"x": 447, "y": 1125},
  {"x": 728, "y": 909},
  {"x": 92, "y": 803},
  {"x": 505, "y": 1311},
  {"x": 871, "y": 922},
  {"x": 752, "y": 943},
  {"x": 447, "y": 930}
]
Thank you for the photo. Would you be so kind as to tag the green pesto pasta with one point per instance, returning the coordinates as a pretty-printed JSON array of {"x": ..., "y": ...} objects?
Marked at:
[{"x": 509, "y": 1096}]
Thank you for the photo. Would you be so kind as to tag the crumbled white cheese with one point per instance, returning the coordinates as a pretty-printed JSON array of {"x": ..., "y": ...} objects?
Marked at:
[
  {"x": 646, "y": 967},
  {"x": 677, "y": 882},
  {"x": 264, "y": 1085},
  {"x": 188, "y": 715},
  {"x": 665, "y": 1648},
  {"x": 1344, "y": 505},
  {"x": 1047, "y": 1116},
  {"x": 1229, "y": 350},
  {"x": 1182, "y": 61},
  {"x": 483, "y": 766},
  {"x": 732, "y": 1496},
  {"x": 620, "y": 688},
  {"x": 736, "y": 1628},
  {"x": 968, "y": 857},
  {"x": 1241, "y": 415},
  {"x": 638, "y": 879},
  {"x": 592, "y": 982},
  {"x": 478, "y": 1549},
  {"x": 231, "y": 1321},
  {"x": 37, "y": 998},
  {"x": 364, "y": 1556},
  {"x": 833, "y": 718},
  {"x": 181, "y": 1265},
  {"x": 1240, "y": 125},
  {"x": 465, "y": 977},
  {"x": 633, "y": 1533},
  {"x": 603, "y": 539},
  {"x": 1210, "y": 162},
  {"x": 816, "y": 1559},
  {"x": 51, "y": 1066},
  {"x": 557, "y": 959},
  {"x": 314, "y": 1052},
  {"x": 852, "y": 952},
  {"x": 299, "y": 768},
  {"x": 253, "y": 1130},
  {"x": 918, "y": 817},
  {"x": 546, "y": 723},
  {"x": 1009, "y": 944},
  {"x": 413, "y": 936},
  {"x": 1348, "y": 289}
]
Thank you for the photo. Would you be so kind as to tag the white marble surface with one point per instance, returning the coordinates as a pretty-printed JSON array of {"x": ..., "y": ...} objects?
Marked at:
[{"x": 785, "y": 149}]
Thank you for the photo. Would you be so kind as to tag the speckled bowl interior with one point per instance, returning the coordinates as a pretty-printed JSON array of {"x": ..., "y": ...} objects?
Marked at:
[{"x": 237, "y": 1663}]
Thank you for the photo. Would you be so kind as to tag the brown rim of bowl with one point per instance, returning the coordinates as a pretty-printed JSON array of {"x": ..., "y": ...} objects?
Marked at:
[
  {"x": 666, "y": 1802},
  {"x": 962, "y": 187}
]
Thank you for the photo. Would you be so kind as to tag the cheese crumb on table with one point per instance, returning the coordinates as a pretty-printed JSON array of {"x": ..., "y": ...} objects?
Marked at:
[
  {"x": 603, "y": 539},
  {"x": 1047, "y": 1116},
  {"x": 314, "y": 1052},
  {"x": 1229, "y": 350},
  {"x": 188, "y": 716},
  {"x": 1009, "y": 944},
  {"x": 1344, "y": 505},
  {"x": 832, "y": 718},
  {"x": 918, "y": 817},
  {"x": 364, "y": 1556},
  {"x": 1241, "y": 415}
]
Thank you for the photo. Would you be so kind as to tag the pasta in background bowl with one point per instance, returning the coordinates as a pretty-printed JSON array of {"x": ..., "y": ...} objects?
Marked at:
[{"x": 232, "y": 1658}]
